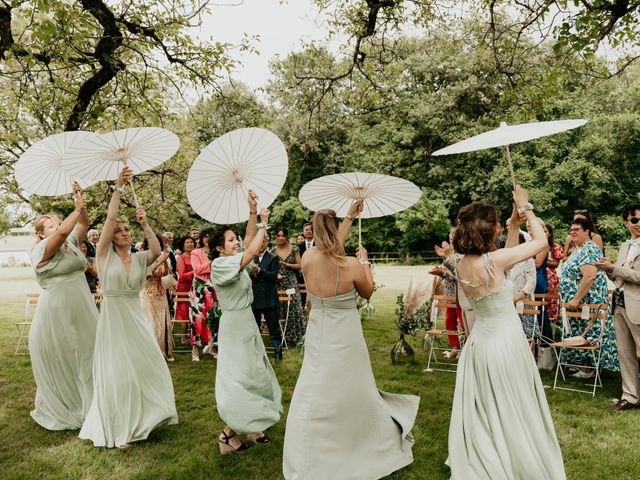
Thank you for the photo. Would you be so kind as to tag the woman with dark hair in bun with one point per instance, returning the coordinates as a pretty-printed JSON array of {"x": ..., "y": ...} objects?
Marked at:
[
  {"x": 248, "y": 396},
  {"x": 501, "y": 426}
]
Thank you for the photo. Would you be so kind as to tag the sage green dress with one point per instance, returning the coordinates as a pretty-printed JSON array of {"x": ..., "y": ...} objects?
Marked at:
[
  {"x": 501, "y": 427},
  {"x": 248, "y": 395},
  {"x": 340, "y": 426},
  {"x": 133, "y": 392},
  {"x": 61, "y": 338}
]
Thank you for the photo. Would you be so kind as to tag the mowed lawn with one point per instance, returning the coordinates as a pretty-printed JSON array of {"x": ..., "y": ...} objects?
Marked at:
[{"x": 596, "y": 444}]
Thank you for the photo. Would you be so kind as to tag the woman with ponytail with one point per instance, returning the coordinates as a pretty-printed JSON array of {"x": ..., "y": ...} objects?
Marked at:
[{"x": 339, "y": 424}]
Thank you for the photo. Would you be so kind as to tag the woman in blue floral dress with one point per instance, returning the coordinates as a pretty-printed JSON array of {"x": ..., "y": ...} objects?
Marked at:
[{"x": 576, "y": 287}]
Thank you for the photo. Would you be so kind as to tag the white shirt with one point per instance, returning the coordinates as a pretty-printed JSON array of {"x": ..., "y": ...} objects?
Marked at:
[{"x": 309, "y": 243}]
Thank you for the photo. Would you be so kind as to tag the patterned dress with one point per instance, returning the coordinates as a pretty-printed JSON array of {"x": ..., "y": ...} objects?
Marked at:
[
  {"x": 156, "y": 307},
  {"x": 552, "y": 275},
  {"x": 523, "y": 276},
  {"x": 296, "y": 322},
  {"x": 570, "y": 277}
]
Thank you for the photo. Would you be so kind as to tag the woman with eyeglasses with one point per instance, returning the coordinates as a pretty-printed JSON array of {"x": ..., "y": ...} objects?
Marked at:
[
  {"x": 569, "y": 245},
  {"x": 582, "y": 282}
]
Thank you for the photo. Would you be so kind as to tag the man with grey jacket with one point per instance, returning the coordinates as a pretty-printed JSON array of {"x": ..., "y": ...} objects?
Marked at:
[{"x": 626, "y": 308}]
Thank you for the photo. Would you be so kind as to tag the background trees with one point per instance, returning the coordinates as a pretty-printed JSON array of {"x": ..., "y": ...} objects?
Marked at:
[{"x": 413, "y": 77}]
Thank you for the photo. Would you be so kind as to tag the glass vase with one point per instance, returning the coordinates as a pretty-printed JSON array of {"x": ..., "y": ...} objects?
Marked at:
[{"x": 402, "y": 353}]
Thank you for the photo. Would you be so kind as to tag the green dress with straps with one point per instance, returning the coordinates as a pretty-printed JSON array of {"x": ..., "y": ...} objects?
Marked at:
[
  {"x": 61, "y": 338},
  {"x": 248, "y": 395}
]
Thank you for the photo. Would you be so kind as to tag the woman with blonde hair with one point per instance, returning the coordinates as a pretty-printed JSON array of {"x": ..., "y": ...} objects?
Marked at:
[
  {"x": 339, "y": 424},
  {"x": 133, "y": 393},
  {"x": 64, "y": 324}
]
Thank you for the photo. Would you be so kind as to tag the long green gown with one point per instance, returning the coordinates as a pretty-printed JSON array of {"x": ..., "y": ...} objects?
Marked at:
[
  {"x": 61, "y": 338},
  {"x": 248, "y": 395},
  {"x": 501, "y": 427},
  {"x": 133, "y": 392}
]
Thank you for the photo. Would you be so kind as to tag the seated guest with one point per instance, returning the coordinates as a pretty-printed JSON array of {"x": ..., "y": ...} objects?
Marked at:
[
  {"x": 581, "y": 282},
  {"x": 264, "y": 278},
  {"x": 626, "y": 308}
]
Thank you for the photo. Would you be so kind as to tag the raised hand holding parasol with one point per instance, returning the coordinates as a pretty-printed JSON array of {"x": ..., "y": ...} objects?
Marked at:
[{"x": 381, "y": 195}]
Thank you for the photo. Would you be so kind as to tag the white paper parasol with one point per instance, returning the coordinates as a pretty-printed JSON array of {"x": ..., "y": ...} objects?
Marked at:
[
  {"x": 102, "y": 157},
  {"x": 382, "y": 194},
  {"x": 224, "y": 172},
  {"x": 39, "y": 170},
  {"x": 506, "y": 135}
]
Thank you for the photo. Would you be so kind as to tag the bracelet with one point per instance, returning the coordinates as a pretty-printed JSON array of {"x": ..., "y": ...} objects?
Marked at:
[
  {"x": 366, "y": 262},
  {"x": 252, "y": 213},
  {"x": 263, "y": 225},
  {"x": 527, "y": 207},
  {"x": 349, "y": 218}
]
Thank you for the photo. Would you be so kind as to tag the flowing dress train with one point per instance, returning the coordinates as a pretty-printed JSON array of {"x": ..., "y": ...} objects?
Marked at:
[
  {"x": 133, "y": 392},
  {"x": 340, "y": 426},
  {"x": 501, "y": 427},
  {"x": 62, "y": 337}
]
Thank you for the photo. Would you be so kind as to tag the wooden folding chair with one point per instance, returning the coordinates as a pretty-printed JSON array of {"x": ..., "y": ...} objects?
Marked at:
[
  {"x": 441, "y": 303},
  {"x": 22, "y": 347},
  {"x": 178, "y": 338},
  {"x": 597, "y": 312},
  {"x": 535, "y": 308}
]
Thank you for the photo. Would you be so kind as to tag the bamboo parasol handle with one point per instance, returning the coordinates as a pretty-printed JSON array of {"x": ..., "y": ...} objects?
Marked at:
[{"x": 513, "y": 175}]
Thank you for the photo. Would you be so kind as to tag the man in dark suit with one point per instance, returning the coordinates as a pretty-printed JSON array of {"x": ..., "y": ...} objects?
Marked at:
[
  {"x": 264, "y": 276},
  {"x": 92, "y": 237},
  {"x": 307, "y": 231}
]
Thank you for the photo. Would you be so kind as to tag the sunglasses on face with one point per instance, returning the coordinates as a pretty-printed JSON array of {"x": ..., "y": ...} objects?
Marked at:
[{"x": 634, "y": 220}]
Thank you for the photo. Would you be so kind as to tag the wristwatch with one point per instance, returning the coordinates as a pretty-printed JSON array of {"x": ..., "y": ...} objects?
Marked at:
[
  {"x": 349, "y": 217},
  {"x": 263, "y": 225},
  {"x": 527, "y": 207}
]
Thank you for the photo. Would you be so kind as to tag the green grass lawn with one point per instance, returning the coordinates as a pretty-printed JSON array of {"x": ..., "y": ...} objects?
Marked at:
[{"x": 596, "y": 444}]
